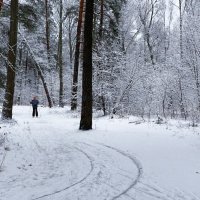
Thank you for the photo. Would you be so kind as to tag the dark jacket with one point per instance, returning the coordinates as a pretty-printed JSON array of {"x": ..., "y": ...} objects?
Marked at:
[{"x": 34, "y": 103}]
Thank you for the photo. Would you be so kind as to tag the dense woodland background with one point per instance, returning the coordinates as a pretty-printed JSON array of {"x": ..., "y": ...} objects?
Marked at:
[{"x": 146, "y": 55}]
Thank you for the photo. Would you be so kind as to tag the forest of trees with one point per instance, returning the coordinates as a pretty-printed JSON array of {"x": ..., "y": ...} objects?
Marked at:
[{"x": 120, "y": 57}]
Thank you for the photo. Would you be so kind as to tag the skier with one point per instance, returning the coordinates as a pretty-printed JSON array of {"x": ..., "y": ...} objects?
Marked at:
[{"x": 34, "y": 103}]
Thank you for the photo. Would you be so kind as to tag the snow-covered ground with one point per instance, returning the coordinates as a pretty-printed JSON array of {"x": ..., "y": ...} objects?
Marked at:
[{"x": 48, "y": 158}]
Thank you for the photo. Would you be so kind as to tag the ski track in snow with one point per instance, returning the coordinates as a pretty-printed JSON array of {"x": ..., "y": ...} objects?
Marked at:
[
  {"x": 74, "y": 184},
  {"x": 41, "y": 149},
  {"x": 110, "y": 174},
  {"x": 135, "y": 189},
  {"x": 99, "y": 175},
  {"x": 106, "y": 178}
]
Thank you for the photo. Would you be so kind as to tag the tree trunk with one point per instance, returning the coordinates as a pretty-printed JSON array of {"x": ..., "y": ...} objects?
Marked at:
[
  {"x": 86, "y": 109},
  {"x": 182, "y": 108},
  {"x": 76, "y": 60},
  {"x": 70, "y": 42},
  {"x": 45, "y": 87},
  {"x": 181, "y": 31},
  {"x": 1, "y": 4},
  {"x": 150, "y": 49},
  {"x": 47, "y": 30},
  {"x": 101, "y": 20},
  {"x": 60, "y": 62},
  {"x": 101, "y": 96},
  {"x": 10, "y": 84}
]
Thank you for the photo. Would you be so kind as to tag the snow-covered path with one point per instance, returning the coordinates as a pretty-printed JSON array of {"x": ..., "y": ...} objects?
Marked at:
[{"x": 50, "y": 159}]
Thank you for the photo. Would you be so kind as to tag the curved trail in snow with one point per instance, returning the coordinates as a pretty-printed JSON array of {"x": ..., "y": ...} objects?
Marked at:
[
  {"x": 53, "y": 163},
  {"x": 41, "y": 150},
  {"x": 104, "y": 176},
  {"x": 139, "y": 168},
  {"x": 74, "y": 184}
]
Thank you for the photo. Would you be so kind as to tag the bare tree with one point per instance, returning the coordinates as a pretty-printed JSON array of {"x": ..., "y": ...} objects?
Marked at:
[{"x": 147, "y": 15}]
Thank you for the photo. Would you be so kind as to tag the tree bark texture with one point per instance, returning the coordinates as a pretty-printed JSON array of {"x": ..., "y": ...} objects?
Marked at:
[
  {"x": 60, "y": 62},
  {"x": 76, "y": 60},
  {"x": 86, "y": 109},
  {"x": 10, "y": 83},
  {"x": 101, "y": 20},
  {"x": 182, "y": 107},
  {"x": 1, "y": 4},
  {"x": 47, "y": 30}
]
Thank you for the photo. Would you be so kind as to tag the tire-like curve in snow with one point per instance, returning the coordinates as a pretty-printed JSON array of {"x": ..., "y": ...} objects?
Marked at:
[
  {"x": 76, "y": 183},
  {"x": 124, "y": 192},
  {"x": 136, "y": 162},
  {"x": 133, "y": 159}
]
